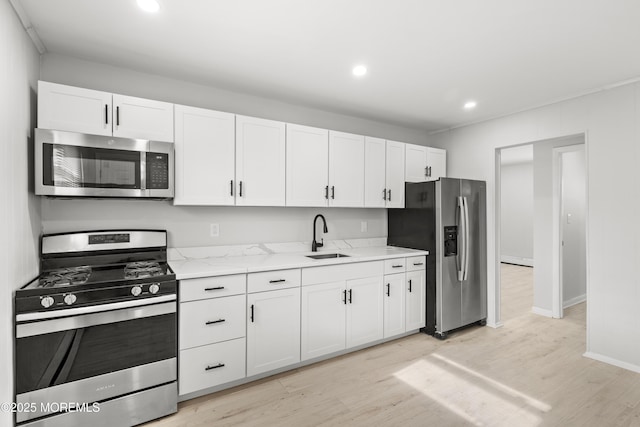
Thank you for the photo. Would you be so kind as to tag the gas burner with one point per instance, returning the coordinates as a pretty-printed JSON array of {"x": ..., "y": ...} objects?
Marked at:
[
  {"x": 142, "y": 269},
  {"x": 65, "y": 277}
]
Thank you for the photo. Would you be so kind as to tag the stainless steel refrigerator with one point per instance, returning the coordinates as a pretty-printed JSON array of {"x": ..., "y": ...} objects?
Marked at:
[{"x": 447, "y": 217}]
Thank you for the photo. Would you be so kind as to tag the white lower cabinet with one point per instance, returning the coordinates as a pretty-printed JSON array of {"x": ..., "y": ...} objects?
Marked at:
[
  {"x": 364, "y": 311},
  {"x": 394, "y": 304},
  {"x": 415, "y": 302},
  {"x": 323, "y": 319},
  {"x": 212, "y": 329},
  {"x": 340, "y": 314},
  {"x": 211, "y": 365},
  {"x": 273, "y": 330}
]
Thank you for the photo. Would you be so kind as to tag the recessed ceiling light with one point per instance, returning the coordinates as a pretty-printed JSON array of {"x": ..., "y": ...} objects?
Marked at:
[
  {"x": 470, "y": 105},
  {"x": 359, "y": 70},
  {"x": 151, "y": 6}
]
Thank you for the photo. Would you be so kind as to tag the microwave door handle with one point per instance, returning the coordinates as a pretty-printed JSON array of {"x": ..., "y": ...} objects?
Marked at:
[{"x": 143, "y": 171}]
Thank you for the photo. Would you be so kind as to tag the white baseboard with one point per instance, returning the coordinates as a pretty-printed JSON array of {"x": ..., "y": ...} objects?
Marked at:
[
  {"x": 612, "y": 361},
  {"x": 528, "y": 262},
  {"x": 542, "y": 311},
  {"x": 574, "y": 301}
]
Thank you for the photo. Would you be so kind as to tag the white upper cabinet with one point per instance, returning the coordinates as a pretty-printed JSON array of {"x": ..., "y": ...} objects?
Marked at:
[
  {"x": 424, "y": 163},
  {"x": 204, "y": 157},
  {"x": 346, "y": 169},
  {"x": 375, "y": 187},
  {"x": 142, "y": 118},
  {"x": 415, "y": 163},
  {"x": 74, "y": 109},
  {"x": 307, "y": 166},
  {"x": 436, "y": 163},
  {"x": 395, "y": 159},
  {"x": 260, "y": 162}
]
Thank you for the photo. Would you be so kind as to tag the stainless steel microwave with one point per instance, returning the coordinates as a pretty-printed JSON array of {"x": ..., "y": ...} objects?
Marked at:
[{"x": 75, "y": 164}]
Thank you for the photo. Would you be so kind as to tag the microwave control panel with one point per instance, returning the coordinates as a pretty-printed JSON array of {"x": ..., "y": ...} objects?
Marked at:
[{"x": 157, "y": 171}]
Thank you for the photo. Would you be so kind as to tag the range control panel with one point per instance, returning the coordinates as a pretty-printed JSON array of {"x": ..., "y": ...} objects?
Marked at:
[{"x": 451, "y": 240}]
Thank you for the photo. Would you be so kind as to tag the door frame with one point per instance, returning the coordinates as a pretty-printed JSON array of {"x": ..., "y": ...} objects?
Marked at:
[
  {"x": 557, "y": 302},
  {"x": 494, "y": 304}
]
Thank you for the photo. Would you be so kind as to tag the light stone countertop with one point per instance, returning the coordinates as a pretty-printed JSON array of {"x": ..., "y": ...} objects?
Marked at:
[{"x": 190, "y": 263}]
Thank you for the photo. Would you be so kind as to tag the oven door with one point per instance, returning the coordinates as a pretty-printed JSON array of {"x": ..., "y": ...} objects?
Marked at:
[
  {"x": 73, "y": 164},
  {"x": 105, "y": 352}
]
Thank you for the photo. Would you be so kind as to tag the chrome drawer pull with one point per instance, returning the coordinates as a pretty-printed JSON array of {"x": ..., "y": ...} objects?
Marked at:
[
  {"x": 211, "y": 322},
  {"x": 219, "y": 365}
]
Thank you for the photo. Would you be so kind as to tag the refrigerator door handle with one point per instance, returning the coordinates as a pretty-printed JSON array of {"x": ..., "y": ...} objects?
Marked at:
[
  {"x": 466, "y": 239},
  {"x": 462, "y": 252}
]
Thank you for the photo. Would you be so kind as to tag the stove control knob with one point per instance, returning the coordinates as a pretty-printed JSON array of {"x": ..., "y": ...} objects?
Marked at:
[
  {"x": 154, "y": 288},
  {"x": 136, "y": 290},
  {"x": 47, "y": 302},
  {"x": 70, "y": 299}
]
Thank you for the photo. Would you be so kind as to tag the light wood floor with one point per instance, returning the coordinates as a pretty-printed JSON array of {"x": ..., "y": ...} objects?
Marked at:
[{"x": 528, "y": 373}]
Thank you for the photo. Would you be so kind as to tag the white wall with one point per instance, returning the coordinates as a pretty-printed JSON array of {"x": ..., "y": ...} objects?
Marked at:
[
  {"x": 609, "y": 119},
  {"x": 574, "y": 267},
  {"x": 543, "y": 241},
  {"x": 189, "y": 226},
  {"x": 516, "y": 217},
  {"x": 19, "y": 209}
]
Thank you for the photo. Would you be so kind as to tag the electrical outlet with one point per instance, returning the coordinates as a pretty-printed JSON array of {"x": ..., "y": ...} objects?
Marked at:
[
  {"x": 214, "y": 230},
  {"x": 363, "y": 226}
]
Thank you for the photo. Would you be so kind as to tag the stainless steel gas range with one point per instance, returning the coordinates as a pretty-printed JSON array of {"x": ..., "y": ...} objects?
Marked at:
[{"x": 96, "y": 332}]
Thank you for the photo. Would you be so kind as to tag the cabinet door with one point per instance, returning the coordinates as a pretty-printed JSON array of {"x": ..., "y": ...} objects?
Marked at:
[
  {"x": 415, "y": 163},
  {"x": 73, "y": 109},
  {"x": 375, "y": 190},
  {"x": 364, "y": 311},
  {"x": 437, "y": 163},
  {"x": 205, "y": 150},
  {"x": 260, "y": 162},
  {"x": 307, "y": 166},
  {"x": 273, "y": 330},
  {"x": 394, "y": 304},
  {"x": 323, "y": 319},
  {"x": 346, "y": 169},
  {"x": 415, "y": 300},
  {"x": 395, "y": 159},
  {"x": 142, "y": 118}
]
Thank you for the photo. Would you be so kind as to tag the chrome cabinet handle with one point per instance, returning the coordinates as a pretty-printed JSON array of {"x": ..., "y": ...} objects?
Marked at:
[{"x": 219, "y": 365}]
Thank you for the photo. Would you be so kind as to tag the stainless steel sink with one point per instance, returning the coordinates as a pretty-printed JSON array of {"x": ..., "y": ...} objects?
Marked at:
[{"x": 327, "y": 256}]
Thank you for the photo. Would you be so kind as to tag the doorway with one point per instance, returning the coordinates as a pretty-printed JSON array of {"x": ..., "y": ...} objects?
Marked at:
[{"x": 554, "y": 273}]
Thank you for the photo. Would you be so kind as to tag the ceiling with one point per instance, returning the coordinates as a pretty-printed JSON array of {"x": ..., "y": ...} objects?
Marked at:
[{"x": 425, "y": 58}]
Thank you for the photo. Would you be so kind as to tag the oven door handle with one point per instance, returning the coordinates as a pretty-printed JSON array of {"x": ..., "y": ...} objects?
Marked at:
[{"x": 95, "y": 318}]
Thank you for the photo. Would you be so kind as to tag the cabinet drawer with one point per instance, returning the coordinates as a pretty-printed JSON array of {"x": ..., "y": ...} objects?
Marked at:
[
  {"x": 212, "y": 320},
  {"x": 273, "y": 280},
  {"x": 416, "y": 263},
  {"x": 211, "y": 287},
  {"x": 395, "y": 265},
  {"x": 211, "y": 365}
]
